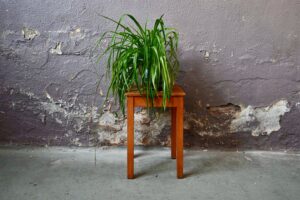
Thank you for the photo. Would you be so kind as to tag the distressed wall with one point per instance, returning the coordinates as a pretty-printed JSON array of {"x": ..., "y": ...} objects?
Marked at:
[{"x": 240, "y": 67}]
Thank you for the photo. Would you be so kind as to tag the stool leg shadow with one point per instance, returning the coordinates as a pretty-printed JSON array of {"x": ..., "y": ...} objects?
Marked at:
[
  {"x": 148, "y": 170},
  {"x": 208, "y": 165}
]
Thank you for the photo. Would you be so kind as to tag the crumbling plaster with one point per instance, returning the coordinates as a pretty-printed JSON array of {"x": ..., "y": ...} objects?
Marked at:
[{"x": 240, "y": 68}]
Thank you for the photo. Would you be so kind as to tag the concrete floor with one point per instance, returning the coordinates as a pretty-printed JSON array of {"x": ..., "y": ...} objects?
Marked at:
[{"x": 64, "y": 173}]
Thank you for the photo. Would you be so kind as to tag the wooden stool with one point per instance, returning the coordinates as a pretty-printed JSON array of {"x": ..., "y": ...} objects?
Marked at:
[{"x": 176, "y": 103}]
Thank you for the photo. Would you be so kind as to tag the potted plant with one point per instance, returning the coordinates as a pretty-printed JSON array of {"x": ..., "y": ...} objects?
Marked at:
[{"x": 140, "y": 58}]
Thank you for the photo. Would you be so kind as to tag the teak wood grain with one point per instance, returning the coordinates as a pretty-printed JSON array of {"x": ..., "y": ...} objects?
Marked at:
[{"x": 176, "y": 103}]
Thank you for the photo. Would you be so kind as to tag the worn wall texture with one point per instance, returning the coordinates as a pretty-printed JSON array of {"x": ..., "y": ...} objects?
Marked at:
[{"x": 240, "y": 67}]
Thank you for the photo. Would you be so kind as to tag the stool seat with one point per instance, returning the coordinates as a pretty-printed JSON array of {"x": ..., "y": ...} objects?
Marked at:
[{"x": 176, "y": 103}]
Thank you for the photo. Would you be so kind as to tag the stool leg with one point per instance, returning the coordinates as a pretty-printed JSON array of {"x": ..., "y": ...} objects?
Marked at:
[
  {"x": 173, "y": 133},
  {"x": 130, "y": 138},
  {"x": 179, "y": 139}
]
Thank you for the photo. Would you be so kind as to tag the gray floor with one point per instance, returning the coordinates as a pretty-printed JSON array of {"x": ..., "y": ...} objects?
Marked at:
[{"x": 64, "y": 173}]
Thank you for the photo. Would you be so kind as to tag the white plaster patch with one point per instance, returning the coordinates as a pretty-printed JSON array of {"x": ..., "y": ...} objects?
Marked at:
[
  {"x": 66, "y": 110},
  {"x": 63, "y": 108},
  {"x": 76, "y": 142},
  {"x": 58, "y": 121},
  {"x": 297, "y": 105},
  {"x": 260, "y": 121},
  {"x": 56, "y": 49},
  {"x": 76, "y": 34},
  {"x": 206, "y": 55},
  {"x": 29, "y": 33},
  {"x": 108, "y": 121},
  {"x": 145, "y": 128}
]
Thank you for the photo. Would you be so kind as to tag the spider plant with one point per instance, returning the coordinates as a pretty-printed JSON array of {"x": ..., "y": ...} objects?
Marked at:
[{"x": 140, "y": 58}]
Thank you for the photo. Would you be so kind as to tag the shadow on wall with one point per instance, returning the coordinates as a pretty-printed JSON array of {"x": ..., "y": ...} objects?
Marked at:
[
  {"x": 205, "y": 124},
  {"x": 213, "y": 122}
]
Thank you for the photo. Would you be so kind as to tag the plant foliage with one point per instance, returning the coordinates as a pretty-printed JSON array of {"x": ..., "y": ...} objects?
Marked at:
[{"x": 140, "y": 58}]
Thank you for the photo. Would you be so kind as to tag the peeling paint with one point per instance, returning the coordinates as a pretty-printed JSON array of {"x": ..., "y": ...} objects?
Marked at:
[
  {"x": 67, "y": 112},
  {"x": 29, "y": 33},
  {"x": 62, "y": 112},
  {"x": 57, "y": 49},
  {"x": 148, "y": 130},
  {"x": 77, "y": 34},
  {"x": 76, "y": 142},
  {"x": 58, "y": 121},
  {"x": 108, "y": 122},
  {"x": 260, "y": 121},
  {"x": 214, "y": 122},
  {"x": 206, "y": 55}
]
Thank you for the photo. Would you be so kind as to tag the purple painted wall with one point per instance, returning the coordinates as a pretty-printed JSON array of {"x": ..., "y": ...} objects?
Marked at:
[{"x": 240, "y": 67}]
